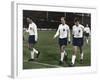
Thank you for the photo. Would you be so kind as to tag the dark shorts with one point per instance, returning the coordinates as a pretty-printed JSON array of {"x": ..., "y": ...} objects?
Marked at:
[
  {"x": 31, "y": 39},
  {"x": 77, "y": 41},
  {"x": 62, "y": 41},
  {"x": 86, "y": 34}
]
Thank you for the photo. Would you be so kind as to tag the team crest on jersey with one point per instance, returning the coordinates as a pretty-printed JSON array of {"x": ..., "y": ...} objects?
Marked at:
[
  {"x": 63, "y": 29},
  {"x": 79, "y": 31}
]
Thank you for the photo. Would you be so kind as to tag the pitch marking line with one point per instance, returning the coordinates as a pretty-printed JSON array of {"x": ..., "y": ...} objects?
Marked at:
[{"x": 44, "y": 64}]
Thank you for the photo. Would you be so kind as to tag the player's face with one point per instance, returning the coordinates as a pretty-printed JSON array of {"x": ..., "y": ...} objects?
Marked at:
[
  {"x": 28, "y": 20},
  {"x": 77, "y": 23},
  {"x": 87, "y": 25},
  {"x": 62, "y": 21}
]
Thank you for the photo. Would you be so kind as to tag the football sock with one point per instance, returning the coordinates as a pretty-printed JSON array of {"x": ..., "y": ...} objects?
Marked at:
[
  {"x": 87, "y": 41},
  {"x": 65, "y": 53},
  {"x": 32, "y": 55},
  {"x": 73, "y": 59},
  {"x": 34, "y": 50},
  {"x": 62, "y": 56},
  {"x": 82, "y": 55}
]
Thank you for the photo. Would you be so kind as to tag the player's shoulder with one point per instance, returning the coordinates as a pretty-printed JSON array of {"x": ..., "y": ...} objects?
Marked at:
[
  {"x": 73, "y": 26},
  {"x": 85, "y": 28},
  {"x": 66, "y": 25},
  {"x": 33, "y": 23},
  {"x": 81, "y": 25},
  {"x": 60, "y": 24}
]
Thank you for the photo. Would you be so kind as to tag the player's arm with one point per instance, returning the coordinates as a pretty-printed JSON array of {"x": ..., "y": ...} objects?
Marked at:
[
  {"x": 72, "y": 31},
  {"x": 27, "y": 30},
  {"x": 89, "y": 32},
  {"x": 83, "y": 28},
  {"x": 57, "y": 33},
  {"x": 35, "y": 31}
]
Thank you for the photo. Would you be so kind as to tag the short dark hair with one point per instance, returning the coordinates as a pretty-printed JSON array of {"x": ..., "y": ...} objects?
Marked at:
[
  {"x": 76, "y": 19},
  {"x": 30, "y": 17}
]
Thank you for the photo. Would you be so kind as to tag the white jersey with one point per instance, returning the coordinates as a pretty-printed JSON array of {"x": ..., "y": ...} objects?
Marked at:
[
  {"x": 62, "y": 31},
  {"x": 87, "y": 29},
  {"x": 77, "y": 31},
  {"x": 32, "y": 30}
]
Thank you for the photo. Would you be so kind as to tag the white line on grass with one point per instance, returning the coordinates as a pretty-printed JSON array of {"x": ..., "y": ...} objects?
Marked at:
[{"x": 44, "y": 64}]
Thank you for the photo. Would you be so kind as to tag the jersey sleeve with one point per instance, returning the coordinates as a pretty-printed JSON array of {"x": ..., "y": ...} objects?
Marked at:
[
  {"x": 83, "y": 28},
  {"x": 34, "y": 26},
  {"x": 72, "y": 30}
]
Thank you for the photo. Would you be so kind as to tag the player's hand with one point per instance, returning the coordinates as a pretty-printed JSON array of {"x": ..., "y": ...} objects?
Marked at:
[{"x": 35, "y": 40}]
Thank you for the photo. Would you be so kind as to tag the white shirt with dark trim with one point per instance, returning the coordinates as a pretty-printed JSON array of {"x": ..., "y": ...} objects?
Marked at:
[
  {"x": 87, "y": 30},
  {"x": 77, "y": 31},
  {"x": 33, "y": 30},
  {"x": 63, "y": 31}
]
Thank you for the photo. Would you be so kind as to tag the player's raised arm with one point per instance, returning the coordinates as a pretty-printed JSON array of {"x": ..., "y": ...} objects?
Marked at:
[{"x": 57, "y": 33}]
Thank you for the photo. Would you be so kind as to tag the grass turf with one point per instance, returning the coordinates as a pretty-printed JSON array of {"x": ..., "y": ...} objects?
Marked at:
[{"x": 49, "y": 49}]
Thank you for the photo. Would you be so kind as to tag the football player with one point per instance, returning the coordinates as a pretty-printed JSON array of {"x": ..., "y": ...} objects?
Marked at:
[
  {"x": 77, "y": 32},
  {"x": 64, "y": 35},
  {"x": 33, "y": 37},
  {"x": 87, "y": 33}
]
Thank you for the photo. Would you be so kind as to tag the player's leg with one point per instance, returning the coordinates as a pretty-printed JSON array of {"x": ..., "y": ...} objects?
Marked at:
[
  {"x": 66, "y": 56},
  {"x": 63, "y": 44},
  {"x": 31, "y": 42},
  {"x": 74, "y": 55},
  {"x": 75, "y": 46},
  {"x": 31, "y": 52},
  {"x": 62, "y": 53},
  {"x": 81, "y": 54},
  {"x": 87, "y": 38},
  {"x": 36, "y": 52}
]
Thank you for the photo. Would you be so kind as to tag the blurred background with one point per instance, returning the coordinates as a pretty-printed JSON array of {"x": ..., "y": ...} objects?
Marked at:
[{"x": 51, "y": 20}]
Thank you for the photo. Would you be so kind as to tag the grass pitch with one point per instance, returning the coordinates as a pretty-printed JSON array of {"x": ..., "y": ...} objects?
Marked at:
[{"x": 50, "y": 56}]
